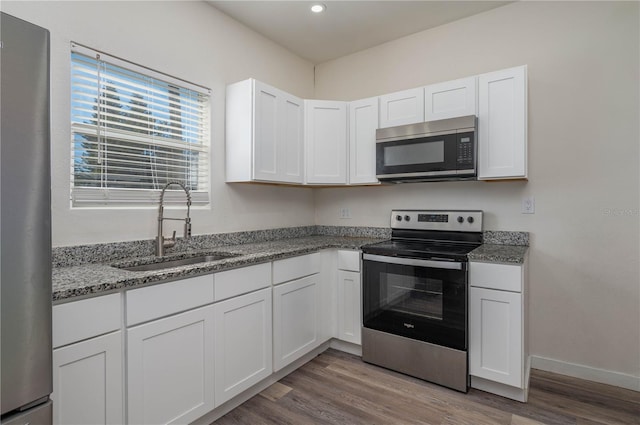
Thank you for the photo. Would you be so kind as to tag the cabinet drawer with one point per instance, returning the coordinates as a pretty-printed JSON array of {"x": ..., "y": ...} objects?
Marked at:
[
  {"x": 84, "y": 319},
  {"x": 168, "y": 298},
  {"x": 241, "y": 281},
  {"x": 295, "y": 268},
  {"x": 349, "y": 260},
  {"x": 504, "y": 277}
]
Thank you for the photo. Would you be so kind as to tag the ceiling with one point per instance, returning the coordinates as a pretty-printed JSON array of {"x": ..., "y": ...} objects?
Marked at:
[{"x": 346, "y": 26}]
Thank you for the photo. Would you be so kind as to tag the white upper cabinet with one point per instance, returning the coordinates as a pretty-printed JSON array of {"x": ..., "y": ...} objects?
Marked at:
[
  {"x": 404, "y": 107},
  {"x": 363, "y": 122},
  {"x": 264, "y": 134},
  {"x": 325, "y": 126},
  {"x": 450, "y": 99},
  {"x": 502, "y": 124}
]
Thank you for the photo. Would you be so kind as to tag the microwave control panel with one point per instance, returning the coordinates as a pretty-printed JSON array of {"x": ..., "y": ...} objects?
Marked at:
[{"x": 466, "y": 147}]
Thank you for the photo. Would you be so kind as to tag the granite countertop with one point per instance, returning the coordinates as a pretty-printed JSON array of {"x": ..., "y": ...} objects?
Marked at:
[
  {"x": 95, "y": 279},
  {"x": 78, "y": 271},
  {"x": 494, "y": 253}
]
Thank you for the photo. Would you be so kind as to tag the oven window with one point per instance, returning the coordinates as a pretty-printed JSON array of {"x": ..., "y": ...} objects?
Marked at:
[
  {"x": 414, "y": 153},
  {"x": 420, "y": 296}
]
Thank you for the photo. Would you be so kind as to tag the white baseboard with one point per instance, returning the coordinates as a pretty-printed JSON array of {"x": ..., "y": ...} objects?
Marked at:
[
  {"x": 602, "y": 376},
  {"x": 347, "y": 347},
  {"x": 518, "y": 394}
]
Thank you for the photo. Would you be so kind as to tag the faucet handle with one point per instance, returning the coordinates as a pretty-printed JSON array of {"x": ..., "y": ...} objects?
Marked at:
[{"x": 173, "y": 237}]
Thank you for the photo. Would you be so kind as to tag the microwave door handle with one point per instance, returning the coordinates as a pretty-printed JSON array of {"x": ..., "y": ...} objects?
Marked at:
[{"x": 414, "y": 262}]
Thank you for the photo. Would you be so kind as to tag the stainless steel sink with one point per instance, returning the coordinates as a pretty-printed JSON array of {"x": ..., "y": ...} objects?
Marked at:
[{"x": 165, "y": 264}]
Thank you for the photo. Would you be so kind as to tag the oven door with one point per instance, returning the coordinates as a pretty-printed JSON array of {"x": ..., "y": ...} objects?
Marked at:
[{"x": 419, "y": 299}]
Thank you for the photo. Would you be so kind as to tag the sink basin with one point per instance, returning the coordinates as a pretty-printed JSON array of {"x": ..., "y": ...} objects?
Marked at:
[{"x": 159, "y": 265}]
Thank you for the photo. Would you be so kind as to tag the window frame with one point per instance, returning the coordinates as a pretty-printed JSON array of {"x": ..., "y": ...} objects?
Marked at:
[{"x": 171, "y": 142}]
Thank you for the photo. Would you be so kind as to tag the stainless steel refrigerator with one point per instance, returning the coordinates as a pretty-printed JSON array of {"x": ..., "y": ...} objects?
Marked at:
[{"x": 25, "y": 216}]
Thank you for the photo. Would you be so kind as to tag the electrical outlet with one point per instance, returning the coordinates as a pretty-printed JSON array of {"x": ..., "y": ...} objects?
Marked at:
[
  {"x": 345, "y": 213},
  {"x": 528, "y": 205}
]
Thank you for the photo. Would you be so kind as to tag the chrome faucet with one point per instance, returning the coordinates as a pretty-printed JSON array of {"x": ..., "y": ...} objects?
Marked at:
[{"x": 161, "y": 242}]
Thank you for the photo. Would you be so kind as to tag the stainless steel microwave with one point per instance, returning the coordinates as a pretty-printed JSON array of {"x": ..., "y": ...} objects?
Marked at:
[{"x": 427, "y": 151}]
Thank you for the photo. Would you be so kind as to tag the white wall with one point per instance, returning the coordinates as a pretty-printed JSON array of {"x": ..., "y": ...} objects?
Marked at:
[
  {"x": 583, "y": 162},
  {"x": 190, "y": 40}
]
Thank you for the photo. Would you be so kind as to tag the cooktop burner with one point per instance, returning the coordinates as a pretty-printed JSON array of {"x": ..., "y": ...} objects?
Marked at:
[
  {"x": 431, "y": 234},
  {"x": 421, "y": 249}
]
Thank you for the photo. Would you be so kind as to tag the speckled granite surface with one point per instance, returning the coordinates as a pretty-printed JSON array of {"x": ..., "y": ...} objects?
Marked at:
[
  {"x": 91, "y": 279},
  {"x": 87, "y": 270},
  {"x": 492, "y": 253},
  {"x": 495, "y": 237},
  {"x": 100, "y": 253}
]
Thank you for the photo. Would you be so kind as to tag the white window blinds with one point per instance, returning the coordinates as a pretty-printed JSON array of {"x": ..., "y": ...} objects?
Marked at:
[{"x": 134, "y": 130}]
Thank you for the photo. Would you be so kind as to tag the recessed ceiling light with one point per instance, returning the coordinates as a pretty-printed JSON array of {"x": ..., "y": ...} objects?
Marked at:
[{"x": 318, "y": 8}]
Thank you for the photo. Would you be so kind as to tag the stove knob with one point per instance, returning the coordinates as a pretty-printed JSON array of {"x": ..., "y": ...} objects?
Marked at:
[
  {"x": 470, "y": 219},
  {"x": 460, "y": 219},
  {"x": 407, "y": 218},
  {"x": 399, "y": 218}
]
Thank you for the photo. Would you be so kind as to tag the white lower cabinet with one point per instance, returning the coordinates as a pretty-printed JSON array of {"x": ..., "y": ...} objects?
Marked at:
[
  {"x": 243, "y": 343},
  {"x": 170, "y": 368},
  {"x": 349, "y": 307},
  {"x": 495, "y": 338},
  {"x": 87, "y": 381},
  {"x": 349, "y": 297},
  {"x": 87, "y": 361},
  {"x": 295, "y": 319},
  {"x": 497, "y": 329},
  {"x": 180, "y": 349}
]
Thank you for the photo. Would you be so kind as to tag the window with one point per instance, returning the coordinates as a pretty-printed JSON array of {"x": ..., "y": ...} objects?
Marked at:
[{"x": 133, "y": 130}]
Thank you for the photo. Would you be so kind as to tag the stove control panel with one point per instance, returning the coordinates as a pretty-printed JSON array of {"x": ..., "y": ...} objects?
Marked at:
[{"x": 462, "y": 221}]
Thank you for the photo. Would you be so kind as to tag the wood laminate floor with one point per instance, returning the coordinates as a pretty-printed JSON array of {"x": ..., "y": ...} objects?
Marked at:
[{"x": 338, "y": 388}]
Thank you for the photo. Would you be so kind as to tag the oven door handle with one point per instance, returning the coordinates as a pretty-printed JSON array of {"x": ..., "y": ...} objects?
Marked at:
[{"x": 414, "y": 262}]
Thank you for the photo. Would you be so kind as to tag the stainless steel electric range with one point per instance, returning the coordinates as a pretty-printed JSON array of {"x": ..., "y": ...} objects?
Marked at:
[{"x": 415, "y": 295}]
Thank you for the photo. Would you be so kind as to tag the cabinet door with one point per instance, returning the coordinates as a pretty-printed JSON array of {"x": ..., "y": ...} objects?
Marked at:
[
  {"x": 502, "y": 124},
  {"x": 404, "y": 107},
  {"x": 450, "y": 99},
  {"x": 278, "y": 138},
  {"x": 266, "y": 132},
  {"x": 295, "y": 324},
  {"x": 349, "y": 307},
  {"x": 291, "y": 142},
  {"x": 170, "y": 368},
  {"x": 326, "y": 141},
  {"x": 243, "y": 348},
  {"x": 495, "y": 336},
  {"x": 87, "y": 382},
  {"x": 363, "y": 122}
]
